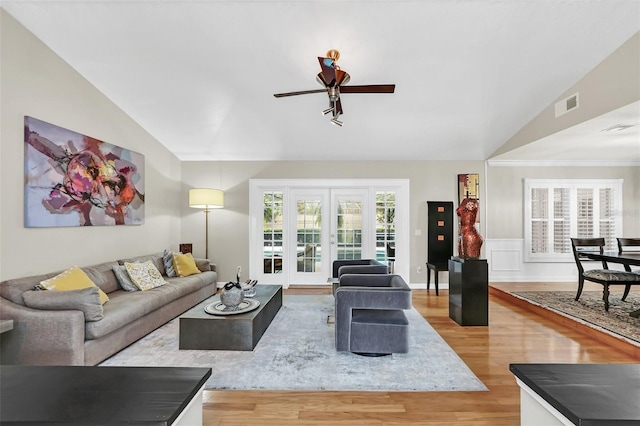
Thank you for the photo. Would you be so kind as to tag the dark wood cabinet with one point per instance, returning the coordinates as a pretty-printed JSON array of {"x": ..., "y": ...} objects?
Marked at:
[
  {"x": 469, "y": 291},
  {"x": 440, "y": 238}
]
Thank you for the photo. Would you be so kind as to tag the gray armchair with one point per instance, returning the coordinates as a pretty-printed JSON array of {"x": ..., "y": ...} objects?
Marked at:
[
  {"x": 369, "y": 314},
  {"x": 358, "y": 266},
  {"x": 355, "y": 266}
]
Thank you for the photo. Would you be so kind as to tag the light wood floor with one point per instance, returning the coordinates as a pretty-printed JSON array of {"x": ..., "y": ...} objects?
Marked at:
[{"x": 515, "y": 335}]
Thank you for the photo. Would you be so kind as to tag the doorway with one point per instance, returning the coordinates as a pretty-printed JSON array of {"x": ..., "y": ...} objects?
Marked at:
[{"x": 299, "y": 228}]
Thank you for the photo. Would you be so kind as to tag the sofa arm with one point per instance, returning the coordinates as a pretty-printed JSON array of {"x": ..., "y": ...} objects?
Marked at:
[
  {"x": 205, "y": 265},
  {"x": 41, "y": 337}
]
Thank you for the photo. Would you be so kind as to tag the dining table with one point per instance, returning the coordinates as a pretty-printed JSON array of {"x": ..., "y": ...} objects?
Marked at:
[{"x": 628, "y": 259}]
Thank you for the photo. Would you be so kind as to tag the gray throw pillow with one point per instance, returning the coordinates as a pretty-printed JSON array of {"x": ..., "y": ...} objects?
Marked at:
[
  {"x": 123, "y": 278},
  {"x": 167, "y": 259},
  {"x": 86, "y": 300}
]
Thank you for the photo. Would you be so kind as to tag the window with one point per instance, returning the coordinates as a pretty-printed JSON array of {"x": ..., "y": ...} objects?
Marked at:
[
  {"x": 385, "y": 225},
  {"x": 556, "y": 210},
  {"x": 272, "y": 234}
]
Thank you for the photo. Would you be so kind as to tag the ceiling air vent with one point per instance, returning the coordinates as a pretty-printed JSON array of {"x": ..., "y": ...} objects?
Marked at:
[
  {"x": 617, "y": 127},
  {"x": 566, "y": 105}
]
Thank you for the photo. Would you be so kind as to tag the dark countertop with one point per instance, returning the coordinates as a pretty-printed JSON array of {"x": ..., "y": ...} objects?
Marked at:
[
  {"x": 587, "y": 394},
  {"x": 63, "y": 395}
]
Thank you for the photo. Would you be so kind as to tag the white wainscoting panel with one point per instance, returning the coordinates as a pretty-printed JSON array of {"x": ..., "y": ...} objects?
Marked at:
[{"x": 505, "y": 258}]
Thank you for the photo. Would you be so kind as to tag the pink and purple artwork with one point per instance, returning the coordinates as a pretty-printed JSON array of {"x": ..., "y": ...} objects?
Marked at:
[{"x": 76, "y": 180}]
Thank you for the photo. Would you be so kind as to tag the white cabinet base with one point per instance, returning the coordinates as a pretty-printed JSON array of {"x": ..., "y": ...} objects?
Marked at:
[{"x": 535, "y": 411}]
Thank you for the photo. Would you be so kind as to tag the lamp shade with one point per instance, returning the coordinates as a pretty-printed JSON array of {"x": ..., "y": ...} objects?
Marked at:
[{"x": 203, "y": 198}]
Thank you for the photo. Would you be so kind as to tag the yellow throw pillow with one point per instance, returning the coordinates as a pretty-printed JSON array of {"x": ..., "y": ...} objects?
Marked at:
[
  {"x": 184, "y": 264},
  {"x": 144, "y": 275},
  {"x": 73, "y": 278}
]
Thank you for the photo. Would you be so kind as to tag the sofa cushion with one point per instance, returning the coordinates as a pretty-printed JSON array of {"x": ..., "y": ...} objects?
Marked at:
[
  {"x": 185, "y": 264},
  {"x": 86, "y": 300},
  {"x": 144, "y": 275},
  {"x": 102, "y": 275},
  {"x": 14, "y": 288},
  {"x": 167, "y": 259},
  {"x": 73, "y": 278},
  {"x": 124, "y": 279},
  {"x": 155, "y": 258},
  {"x": 125, "y": 307}
]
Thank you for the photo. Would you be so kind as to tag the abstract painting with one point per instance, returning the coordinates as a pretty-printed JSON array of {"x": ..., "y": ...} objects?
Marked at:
[{"x": 76, "y": 180}]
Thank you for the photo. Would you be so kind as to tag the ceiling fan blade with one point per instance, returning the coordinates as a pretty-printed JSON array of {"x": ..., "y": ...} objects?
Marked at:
[
  {"x": 371, "y": 88},
  {"x": 304, "y": 92},
  {"x": 328, "y": 67}
]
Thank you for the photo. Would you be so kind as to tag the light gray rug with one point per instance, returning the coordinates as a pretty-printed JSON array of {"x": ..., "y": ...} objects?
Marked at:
[{"x": 297, "y": 352}]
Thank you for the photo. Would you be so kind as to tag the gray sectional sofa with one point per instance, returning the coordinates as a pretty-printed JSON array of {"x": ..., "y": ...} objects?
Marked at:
[{"x": 63, "y": 337}]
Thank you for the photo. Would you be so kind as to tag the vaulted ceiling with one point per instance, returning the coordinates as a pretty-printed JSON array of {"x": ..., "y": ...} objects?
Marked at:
[{"x": 200, "y": 75}]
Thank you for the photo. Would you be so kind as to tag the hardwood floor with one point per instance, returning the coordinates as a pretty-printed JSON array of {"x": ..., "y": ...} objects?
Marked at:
[{"x": 515, "y": 335}]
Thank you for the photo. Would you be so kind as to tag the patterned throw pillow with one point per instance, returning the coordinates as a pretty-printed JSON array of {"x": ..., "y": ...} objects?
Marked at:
[
  {"x": 73, "y": 278},
  {"x": 120, "y": 271},
  {"x": 167, "y": 259},
  {"x": 144, "y": 275},
  {"x": 185, "y": 264}
]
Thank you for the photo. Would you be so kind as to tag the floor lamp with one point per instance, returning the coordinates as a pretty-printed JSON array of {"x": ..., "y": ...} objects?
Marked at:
[{"x": 204, "y": 198}]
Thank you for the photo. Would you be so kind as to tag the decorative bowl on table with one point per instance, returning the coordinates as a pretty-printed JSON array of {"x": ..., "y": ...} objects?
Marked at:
[{"x": 249, "y": 288}]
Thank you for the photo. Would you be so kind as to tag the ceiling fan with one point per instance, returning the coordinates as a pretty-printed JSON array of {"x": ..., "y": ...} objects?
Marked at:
[{"x": 334, "y": 79}]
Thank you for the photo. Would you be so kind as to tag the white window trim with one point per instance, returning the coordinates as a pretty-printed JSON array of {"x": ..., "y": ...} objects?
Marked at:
[{"x": 571, "y": 184}]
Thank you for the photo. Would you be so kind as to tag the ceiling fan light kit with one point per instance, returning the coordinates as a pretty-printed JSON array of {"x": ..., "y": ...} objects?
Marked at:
[
  {"x": 334, "y": 81},
  {"x": 337, "y": 122}
]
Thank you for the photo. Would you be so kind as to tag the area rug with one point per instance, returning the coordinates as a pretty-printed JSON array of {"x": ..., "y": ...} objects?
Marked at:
[
  {"x": 297, "y": 352},
  {"x": 589, "y": 310}
]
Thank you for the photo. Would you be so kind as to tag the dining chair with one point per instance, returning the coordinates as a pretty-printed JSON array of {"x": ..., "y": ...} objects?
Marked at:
[
  {"x": 604, "y": 276},
  {"x": 624, "y": 243}
]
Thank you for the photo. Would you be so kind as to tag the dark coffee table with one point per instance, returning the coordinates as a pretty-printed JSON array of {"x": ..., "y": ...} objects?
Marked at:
[
  {"x": 65, "y": 395},
  {"x": 241, "y": 332},
  {"x": 579, "y": 394}
]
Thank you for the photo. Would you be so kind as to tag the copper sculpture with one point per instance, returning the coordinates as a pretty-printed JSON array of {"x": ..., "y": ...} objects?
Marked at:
[{"x": 469, "y": 240}]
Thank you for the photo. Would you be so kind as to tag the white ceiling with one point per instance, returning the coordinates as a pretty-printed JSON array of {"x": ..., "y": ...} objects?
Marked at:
[{"x": 200, "y": 75}]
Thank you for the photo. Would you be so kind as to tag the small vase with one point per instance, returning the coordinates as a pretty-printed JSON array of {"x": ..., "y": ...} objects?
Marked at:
[{"x": 231, "y": 295}]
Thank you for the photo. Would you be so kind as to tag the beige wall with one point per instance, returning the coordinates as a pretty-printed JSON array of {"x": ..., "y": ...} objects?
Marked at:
[
  {"x": 34, "y": 81},
  {"x": 506, "y": 199},
  {"x": 229, "y": 227},
  {"x": 614, "y": 83},
  {"x": 501, "y": 215}
]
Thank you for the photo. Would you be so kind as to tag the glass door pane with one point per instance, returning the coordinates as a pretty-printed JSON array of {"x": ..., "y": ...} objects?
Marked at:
[
  {"x": 272, "y": 232},
  {"x": 348, "y": 223},
  {"x": 309, "y": 237},
  {"x": 386, "y": 227},
  {"x": 309, "y": 232},
  {"x": 349, "y": 229}
]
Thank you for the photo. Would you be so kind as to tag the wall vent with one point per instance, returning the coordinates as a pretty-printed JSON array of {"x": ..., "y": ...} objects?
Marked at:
[{"x": 568, "y": 104}]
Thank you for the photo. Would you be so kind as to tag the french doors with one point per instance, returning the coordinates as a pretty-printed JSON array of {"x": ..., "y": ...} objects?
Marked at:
[
  {"x": 298, "y": 228},
  {"x": 327, "y": 224}
]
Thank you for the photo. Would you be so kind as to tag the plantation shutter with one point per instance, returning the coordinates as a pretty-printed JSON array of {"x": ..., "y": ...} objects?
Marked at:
[
  {"x": 556, "y": 210},
  {"x": 561, "y": 220}
]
